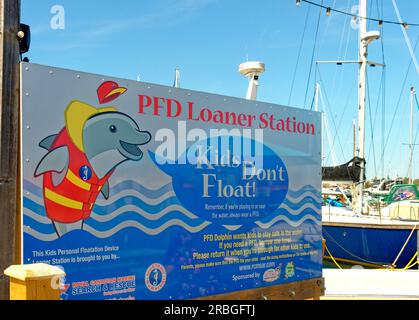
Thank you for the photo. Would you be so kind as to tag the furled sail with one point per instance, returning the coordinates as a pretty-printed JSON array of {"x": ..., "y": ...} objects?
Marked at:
[{"x": 349, "y": 172}]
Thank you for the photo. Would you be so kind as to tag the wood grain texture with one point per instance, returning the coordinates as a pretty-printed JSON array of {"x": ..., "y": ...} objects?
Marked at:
[
  {"x": 33, "y": 290},
  {"x": 301, "y": 290},
  {"x": 9, "y": 131}
]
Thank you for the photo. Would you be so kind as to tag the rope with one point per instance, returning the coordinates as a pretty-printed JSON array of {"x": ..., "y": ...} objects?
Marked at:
[
  {"x": 333, "y": 259},
  {"x": 416, "y": 262},
  {"x": 402, "y": 249},
  {"x": 350, "y": 253},
  {"x": 408, "y": 266}
]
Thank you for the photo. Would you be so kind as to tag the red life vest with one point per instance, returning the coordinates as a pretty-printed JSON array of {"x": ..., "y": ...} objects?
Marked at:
[{"x": 73, "y": 199}]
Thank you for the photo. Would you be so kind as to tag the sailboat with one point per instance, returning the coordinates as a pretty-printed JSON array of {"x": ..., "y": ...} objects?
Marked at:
[{"x": 358, "y": 233}]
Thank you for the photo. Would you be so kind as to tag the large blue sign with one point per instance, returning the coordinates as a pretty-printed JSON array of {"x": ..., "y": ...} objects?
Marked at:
[{"x": 140, "y": 191}]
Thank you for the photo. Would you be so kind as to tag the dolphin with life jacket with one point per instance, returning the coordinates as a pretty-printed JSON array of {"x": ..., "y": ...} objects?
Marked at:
[{"x": 82, "y": 157}]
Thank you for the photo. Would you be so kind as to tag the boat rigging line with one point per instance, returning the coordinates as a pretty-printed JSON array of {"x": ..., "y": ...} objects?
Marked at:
[
  {"x": 381, "y": 92},
  {"x": 326, "y": 101},
  {"x": 298, "y": 55},
  {"x": 341, "y": 68},
  {"x": 383, "y": 88},
  {"x": 417, "y": 129},
  {"x": 396, "y": 109},
  {"x": 355, "y": 16},
  {"x": 312, "y": 57},
  {"x": 406, "y": 37},
  {"x": 371, "y": 124}
]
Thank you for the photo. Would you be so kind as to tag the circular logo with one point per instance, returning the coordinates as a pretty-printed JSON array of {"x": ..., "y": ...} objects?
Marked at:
[
  {"x": 85, "y": 173},
  {"x": 155, "y": 277}
]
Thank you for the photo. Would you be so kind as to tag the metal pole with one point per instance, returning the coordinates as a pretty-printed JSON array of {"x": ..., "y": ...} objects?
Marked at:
[
  {"x": 412, "y": 96},
  {"x": 354, "y": 136},
  {"x": 9, "y": 133},
  {"x": 252, "y": 90},
  {"x": 363, "y": 54}
]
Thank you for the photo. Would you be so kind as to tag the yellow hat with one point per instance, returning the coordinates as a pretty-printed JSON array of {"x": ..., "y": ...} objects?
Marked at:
[{"x": 76, "y": 115}]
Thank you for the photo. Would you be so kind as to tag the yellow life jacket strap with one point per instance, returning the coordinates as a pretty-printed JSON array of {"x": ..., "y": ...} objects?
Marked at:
[
  {"x": 64, "y": 201},
  {"x": 77, "y": 181}
]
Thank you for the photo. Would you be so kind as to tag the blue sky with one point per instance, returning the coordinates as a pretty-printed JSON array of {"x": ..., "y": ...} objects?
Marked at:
[{"x": 208, "y": 39}]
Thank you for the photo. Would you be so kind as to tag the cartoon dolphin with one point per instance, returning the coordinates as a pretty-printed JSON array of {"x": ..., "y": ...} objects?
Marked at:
[{"x": 82, "y": 157}]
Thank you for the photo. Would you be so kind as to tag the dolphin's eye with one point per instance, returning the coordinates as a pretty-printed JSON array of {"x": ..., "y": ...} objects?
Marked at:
[{"x": 112, "y": 128}]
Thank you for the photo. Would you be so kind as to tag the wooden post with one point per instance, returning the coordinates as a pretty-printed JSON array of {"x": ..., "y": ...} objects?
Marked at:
[
  {"x": 417, "y": 248},
  {"x": 34, "y": 282},
  {"x": 9, "y": 131},
  {"x": 311, "y": 289}
]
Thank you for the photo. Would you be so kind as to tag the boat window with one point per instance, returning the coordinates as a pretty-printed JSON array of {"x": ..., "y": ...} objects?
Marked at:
[{"x": 404, "y": 193}]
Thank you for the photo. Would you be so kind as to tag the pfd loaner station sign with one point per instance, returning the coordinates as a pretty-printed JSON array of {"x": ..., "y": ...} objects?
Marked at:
[{"x": 142, "y": 191}]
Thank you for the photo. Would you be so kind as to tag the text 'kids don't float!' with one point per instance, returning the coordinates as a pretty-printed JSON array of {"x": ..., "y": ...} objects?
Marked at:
[{"x": 156, "y": 173}]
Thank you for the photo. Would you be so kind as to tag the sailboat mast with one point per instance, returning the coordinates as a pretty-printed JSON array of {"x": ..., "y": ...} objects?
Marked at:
[
  {"x": 412, "y": 96},
  {"x": 363, "y": 55},
  {"x": 354, "y": 136}
]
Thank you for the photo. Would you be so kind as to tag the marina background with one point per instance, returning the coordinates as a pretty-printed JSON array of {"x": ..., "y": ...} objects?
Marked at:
[{"x": 148, "y": 40}]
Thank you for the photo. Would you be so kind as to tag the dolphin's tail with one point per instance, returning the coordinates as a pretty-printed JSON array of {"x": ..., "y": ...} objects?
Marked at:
[{"x": 63, "y": 228}]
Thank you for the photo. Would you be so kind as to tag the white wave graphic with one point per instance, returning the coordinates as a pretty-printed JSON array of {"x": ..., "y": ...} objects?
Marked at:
[
  {"x": 108, "y": 233},
  {"x": 33, "y": 215},
  {"x": 301, "y": 196},
  {"x": 125, "y": 193},
  {"x": 287, "y": 220},
  {"x": 34, "y": 198},
  {"x": 134, "y": 193},
  {"x": 40, "y": 236},
  {"x": 149, "y": 231},
  {"x": 141, "y": 212},
  {"x": 134, "y": 182},
  {"x": 301, "y": 209},
  {"x": 232, "y": 228},
  {"x": 123, "y": 209}
]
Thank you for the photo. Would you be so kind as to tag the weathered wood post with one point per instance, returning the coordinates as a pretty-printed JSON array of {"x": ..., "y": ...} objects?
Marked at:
[
  {"x": 9, "y": 136},
  {"x": 417, "y": 248},
  {"x": 34, "y": 282}
]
